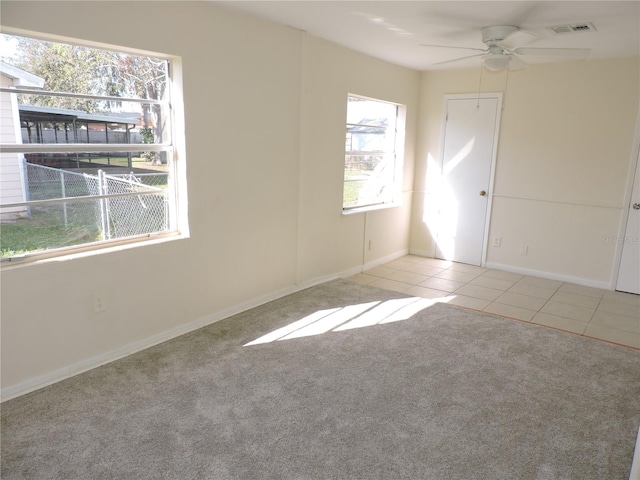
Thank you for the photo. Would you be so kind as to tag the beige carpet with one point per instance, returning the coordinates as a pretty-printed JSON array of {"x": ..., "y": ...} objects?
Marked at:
[{"x": 340, "y": 381}]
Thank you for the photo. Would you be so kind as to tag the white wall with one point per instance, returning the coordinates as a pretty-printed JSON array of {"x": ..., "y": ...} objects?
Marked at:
[
  {"x": 563, "y": 160},
  {"x": 328, "y": 239},
  {"x": 265, "y": 114}
]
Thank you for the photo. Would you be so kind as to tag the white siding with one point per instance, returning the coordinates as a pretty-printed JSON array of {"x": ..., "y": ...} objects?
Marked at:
[{"x": 10, "y": 176}]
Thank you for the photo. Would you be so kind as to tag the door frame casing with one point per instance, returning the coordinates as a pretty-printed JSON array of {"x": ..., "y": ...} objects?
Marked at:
[
  {"x": 494, "y": 155},
  {"x": 634, "y": 163}
]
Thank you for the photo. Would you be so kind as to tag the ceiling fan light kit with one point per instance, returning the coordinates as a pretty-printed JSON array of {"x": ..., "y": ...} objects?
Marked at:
[{"x": 496, "y": 63}]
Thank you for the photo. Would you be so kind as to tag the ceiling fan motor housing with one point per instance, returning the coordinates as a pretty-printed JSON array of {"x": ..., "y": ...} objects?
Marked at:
[{"x": 493, "y": 35}]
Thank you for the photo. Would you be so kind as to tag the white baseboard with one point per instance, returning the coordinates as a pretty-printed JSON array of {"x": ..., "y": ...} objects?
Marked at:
[
  {"x": 385, "y": 259},
  {"x": 42, "y": 381},
  {"x": 529, "y": 271},
  {"x": 351, "y": 272},
  {"x": 550, "y": 275},
  {"x": 36, "y": 383}
]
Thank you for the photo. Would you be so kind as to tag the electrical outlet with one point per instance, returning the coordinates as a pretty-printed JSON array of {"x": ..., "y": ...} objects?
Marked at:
[
  {"x": 497, "y": 241},
  {"x": 524, "y": 249},
  {"x": 99, "y": 302}
]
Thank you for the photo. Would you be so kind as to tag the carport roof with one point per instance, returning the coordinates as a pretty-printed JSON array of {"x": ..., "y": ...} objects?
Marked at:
[{"x": 50, "y": 114}]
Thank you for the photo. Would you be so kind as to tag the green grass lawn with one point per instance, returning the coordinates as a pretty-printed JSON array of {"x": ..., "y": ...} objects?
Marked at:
[
  {"x": 136, "y": 162},
  {"x": 350, "y": 193},
  {"x": 47, "y": 227},
  {"x": 44, "y": 230}
]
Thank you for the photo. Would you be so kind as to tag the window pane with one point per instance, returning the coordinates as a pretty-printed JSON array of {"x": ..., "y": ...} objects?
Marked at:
[
  {"x": 45, "y": 227},
  {"x": 90, "y": 71},
  {"x": 91, "y": 104},
  {"x": 89, "y": 162},
  {"x": 367, "y": 112},
  {"x": 51, "y": 215},
  {"x": 371, "y": 139},
  {"x": 81, "y": 221},
  {"x": 369, "y": 176},
  {"x": 368, "y": 180},
  {"x": 100, "y": 122}
]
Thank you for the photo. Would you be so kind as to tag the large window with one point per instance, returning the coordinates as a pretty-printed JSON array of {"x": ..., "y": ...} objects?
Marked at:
[
  {"x": 373, "y": 154},
  {"x": 88, "y": 154}
]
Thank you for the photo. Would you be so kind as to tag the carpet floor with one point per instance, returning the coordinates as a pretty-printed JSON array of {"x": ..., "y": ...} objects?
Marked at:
[{"x": 340, "y": 381}]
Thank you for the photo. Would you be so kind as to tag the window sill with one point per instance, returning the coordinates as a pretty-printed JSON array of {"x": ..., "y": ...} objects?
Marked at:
[
  {"x": 369, "y": 208},
  {"x": 95, "y": 249}
]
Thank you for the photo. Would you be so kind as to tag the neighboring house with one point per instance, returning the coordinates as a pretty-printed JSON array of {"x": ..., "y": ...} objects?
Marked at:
[{"x": 11, "y": 177}]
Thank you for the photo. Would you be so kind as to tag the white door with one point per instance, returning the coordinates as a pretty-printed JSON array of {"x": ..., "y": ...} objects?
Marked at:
[
  {"x": 468, "y": 153},
  {"x": 629, "y": 273}
]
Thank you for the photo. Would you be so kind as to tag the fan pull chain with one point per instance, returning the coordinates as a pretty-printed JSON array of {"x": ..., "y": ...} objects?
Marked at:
[
  {"x": 480, "y": 86},
  {"x": 506, "y": 84}
]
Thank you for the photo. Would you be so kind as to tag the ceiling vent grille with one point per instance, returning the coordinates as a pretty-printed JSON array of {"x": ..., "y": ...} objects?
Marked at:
[{"x": 574, "y": 28}]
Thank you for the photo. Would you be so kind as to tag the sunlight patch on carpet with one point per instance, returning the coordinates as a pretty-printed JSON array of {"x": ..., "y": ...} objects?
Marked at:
[{"x": 349, "y": 317}]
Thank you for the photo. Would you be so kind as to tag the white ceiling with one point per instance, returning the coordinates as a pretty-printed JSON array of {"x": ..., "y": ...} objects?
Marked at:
[{"x": 394, "y": 30}]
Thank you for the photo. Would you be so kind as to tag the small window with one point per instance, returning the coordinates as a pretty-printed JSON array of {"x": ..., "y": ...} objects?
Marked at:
[
  {"x": 373, "y": 163},
  {"x": 87, "y": 148}
]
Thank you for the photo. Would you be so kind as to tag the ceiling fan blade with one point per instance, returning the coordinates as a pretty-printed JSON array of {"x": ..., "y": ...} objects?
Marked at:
[
  {"x": 459, "y": 59},
  {"x": 566, "y": 53},
  {"x": 451, "y": 46}
]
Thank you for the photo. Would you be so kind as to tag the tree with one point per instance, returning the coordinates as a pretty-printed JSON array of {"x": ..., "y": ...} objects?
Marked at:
[
  {"x": 64, "y": 68},
  {"x": 93, "y": 71}
]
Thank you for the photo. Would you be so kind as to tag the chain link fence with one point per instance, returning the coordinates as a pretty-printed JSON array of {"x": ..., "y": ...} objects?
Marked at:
[
  {"x": 140, "y": 207},
  {"x": 128, "y": 215},
  {"x": 158, "y": 179},
  {"x": 45, "y": 183}
]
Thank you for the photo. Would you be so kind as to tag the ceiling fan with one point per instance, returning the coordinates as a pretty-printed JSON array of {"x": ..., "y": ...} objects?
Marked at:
[{"x": 503, "y": 49}]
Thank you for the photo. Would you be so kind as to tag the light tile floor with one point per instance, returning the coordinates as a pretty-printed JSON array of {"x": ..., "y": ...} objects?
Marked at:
[{"x": 593, "y": 312}]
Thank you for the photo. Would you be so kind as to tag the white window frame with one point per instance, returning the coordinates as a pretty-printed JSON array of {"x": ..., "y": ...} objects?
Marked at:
[
  {"x": 398, "y": 155},
  {"x": 174, "y": 146}
]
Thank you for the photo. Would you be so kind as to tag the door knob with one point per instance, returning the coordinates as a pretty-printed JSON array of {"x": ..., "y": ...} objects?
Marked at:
[
  {"x": 636, "y": 206},
  {"x": 483, "y": 193}
]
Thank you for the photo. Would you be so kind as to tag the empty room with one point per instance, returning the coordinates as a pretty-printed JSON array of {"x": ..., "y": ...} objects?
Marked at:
[{"x": 320, "y": 240}]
